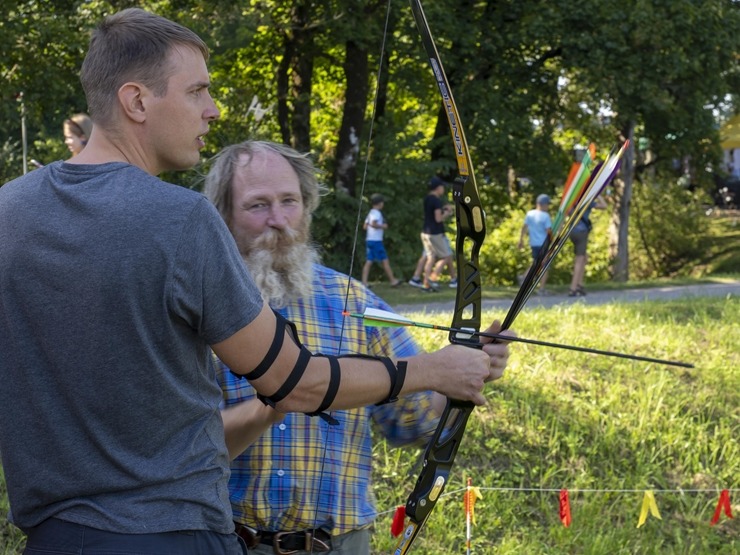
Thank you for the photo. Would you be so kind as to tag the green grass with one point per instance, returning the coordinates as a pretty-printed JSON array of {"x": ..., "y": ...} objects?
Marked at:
[
  {"x": 12, "y": 541},
  {"x": 559, "y": 419},
  {"x": 563, "y": 419}
]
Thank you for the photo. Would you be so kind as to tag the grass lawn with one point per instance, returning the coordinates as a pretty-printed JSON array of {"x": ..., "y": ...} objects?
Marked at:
[{"x": 606, "y": 429}]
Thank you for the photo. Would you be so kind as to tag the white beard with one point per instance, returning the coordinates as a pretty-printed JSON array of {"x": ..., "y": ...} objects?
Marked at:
[{"x": 281, "y": 264}]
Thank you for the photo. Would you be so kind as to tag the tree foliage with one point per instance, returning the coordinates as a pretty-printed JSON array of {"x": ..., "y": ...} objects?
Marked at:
[{"x": 532, "y": 79}]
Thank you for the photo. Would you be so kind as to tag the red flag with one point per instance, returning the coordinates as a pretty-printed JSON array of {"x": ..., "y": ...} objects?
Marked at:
[
  {"x": 398, "y": 520},
  {"x": 565, "y": 508},
  {"x": 723, "y": 503}
]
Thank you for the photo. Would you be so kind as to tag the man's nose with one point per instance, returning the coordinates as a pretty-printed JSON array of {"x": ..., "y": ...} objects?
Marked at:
[
  {"x": 212, "y": 112},
  {"x": 277, "y": 218}
]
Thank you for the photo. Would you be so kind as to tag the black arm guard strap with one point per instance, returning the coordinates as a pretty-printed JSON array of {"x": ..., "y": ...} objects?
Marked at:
[
  {"x": 397, "y": 375},
  {"x": 295, "y": 376},
  {"x": 331, "y": 392},
  {"x": 277, "y": 345},
  {"x": 291, "y": 381}
]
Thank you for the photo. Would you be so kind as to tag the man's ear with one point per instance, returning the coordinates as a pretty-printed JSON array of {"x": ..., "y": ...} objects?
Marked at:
[{"x": 131, "y": 96}]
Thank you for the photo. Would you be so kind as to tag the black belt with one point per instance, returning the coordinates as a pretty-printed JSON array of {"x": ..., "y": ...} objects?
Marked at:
[{"x": 286, "y": 543}]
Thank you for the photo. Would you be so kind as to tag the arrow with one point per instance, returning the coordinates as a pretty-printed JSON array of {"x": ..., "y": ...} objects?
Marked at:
[{"x": 383, "y": 318}]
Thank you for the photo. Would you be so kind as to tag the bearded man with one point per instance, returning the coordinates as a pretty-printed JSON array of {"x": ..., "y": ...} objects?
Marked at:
[{"x": 305, "y": 485}]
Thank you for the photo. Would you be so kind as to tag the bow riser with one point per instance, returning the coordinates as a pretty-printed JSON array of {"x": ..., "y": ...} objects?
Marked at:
[
  {"x": 438, "y": 459},
  {"x": 468, "y": 296},
  {"x": 440, "y": 453}
]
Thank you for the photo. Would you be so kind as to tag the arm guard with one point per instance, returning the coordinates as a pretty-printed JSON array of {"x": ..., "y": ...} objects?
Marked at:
[{"x": 397, "y": 374}]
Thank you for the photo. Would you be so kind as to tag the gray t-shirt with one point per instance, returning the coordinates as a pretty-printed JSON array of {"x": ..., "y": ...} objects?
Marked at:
[{"x": 112, "y": 286}]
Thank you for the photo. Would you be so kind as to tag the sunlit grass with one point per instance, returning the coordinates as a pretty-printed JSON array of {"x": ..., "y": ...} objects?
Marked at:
[{"x": 560, "y": 419}]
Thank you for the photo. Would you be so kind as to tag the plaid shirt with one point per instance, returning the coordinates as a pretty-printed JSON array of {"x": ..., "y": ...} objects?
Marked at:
[{"x": 301, "y": 472}]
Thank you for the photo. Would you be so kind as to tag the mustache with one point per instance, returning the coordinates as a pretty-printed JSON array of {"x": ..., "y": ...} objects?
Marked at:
[{"x": 271, "y": 239}]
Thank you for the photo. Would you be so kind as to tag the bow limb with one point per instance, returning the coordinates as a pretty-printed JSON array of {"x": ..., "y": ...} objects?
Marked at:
[{"x": 440, "y": 453}]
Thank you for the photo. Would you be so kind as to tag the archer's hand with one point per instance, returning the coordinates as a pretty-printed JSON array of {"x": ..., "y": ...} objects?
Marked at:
[
  {"x": 456, "y": 371},
  {"x": 497, "y": 349}
]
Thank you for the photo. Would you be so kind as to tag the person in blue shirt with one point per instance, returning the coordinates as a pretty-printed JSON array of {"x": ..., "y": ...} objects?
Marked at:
[{"x": 537, "y": 224}]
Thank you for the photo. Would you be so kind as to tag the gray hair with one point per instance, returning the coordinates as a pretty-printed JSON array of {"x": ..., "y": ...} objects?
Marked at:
[
  {"x": 131, "y": 45},
  {"x": 217, "y": 186}
]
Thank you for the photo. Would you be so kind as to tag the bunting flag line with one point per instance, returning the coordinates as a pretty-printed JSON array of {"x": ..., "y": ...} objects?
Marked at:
[
  {"x": 722, "y": 504},
  {"x": 565, "y": 508},
  {"x": 648, "y": 504},
  {"x": 383, "y": 318}
]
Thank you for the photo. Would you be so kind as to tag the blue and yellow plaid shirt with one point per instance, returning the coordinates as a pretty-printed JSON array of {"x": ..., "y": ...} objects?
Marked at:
[{"x": 302, "y": 472}]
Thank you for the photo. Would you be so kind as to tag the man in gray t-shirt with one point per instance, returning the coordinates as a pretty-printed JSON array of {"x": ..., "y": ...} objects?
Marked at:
[
  {"x": 114, "y": 286},
  {"x": 117, "y": 297}
]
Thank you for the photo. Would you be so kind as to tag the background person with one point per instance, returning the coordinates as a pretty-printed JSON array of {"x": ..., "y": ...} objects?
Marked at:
[
  {"x": 375, "y": 225},
  {"x": 269, "y": 192},
  {"x": 416, "y": 279},
  {"x": 436, "y": 245},
  {"x": 579, "y": 238},
  {"x": 77, "y": 130},
  {"x": 537, "y": 224},
  {"x": 110, "y": 434}
]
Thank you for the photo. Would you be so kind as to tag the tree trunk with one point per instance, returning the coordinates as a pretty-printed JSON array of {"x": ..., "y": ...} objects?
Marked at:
[
  {"x": 294, "y": 81},
  {"x": 302, "y": 78},
  {"x": 619, "y": 228},
  {"x": 356, "y": 62},
  {"x": 283, "y": 88}
]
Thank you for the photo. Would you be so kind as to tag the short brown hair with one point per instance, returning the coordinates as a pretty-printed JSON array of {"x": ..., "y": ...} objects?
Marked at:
[{"x": 131, "y": 45}]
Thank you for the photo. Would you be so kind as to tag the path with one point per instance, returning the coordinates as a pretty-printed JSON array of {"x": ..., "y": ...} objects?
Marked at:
[{"x": 594, "y": 297}]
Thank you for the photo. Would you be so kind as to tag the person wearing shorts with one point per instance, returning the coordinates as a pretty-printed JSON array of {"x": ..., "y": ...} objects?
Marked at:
[
  {"x": 436, "y": 245},
  {"x": 375, "y": 225},
  {"x": 579, "y": 238},
  {"x": 537, "y": 224}
]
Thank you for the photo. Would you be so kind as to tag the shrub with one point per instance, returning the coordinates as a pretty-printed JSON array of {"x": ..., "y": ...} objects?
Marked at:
[{"x": 667, "y": 226}]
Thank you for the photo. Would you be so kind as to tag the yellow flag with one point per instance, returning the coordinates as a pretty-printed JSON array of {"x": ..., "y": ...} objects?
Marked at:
[
  {"x": 648, "y": 504},
  {"x": 472, "y": 494}
]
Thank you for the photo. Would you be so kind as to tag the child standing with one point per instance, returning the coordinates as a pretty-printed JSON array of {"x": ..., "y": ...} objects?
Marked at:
[{"x": 374, "y": 248}]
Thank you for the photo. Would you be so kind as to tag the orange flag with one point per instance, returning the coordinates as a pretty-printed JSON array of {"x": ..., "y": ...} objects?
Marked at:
[
  {"x": 565, "y": 508},
  {"x": 722, "y": 504}
]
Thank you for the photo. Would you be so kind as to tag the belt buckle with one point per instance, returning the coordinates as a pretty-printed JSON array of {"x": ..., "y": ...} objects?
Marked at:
[
  {"x": 276, "y": 544},
  {"x": 313, "y": 544}
]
